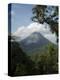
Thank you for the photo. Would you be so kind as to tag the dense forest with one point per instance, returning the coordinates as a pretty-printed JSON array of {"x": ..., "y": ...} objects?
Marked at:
[
  {"x": 45, "y": 62},
  {"x": 38, "y": 63}
]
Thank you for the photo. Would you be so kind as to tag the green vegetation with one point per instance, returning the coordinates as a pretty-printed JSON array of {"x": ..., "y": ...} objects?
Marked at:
[
  {"x": 45, "y": 62},
  {"x": 20, "y": 62},
  {"x": 48, "y": 14}
]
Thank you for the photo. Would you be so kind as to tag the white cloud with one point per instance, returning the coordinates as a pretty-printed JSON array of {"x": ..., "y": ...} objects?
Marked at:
[{"x": 44, "y": 29}]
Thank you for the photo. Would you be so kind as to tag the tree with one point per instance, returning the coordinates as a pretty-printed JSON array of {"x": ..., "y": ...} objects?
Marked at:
[
  {"x": 48, "y": 63},
  {"x": 20, "y": 62},
  {"x": 48, "y": 14}
]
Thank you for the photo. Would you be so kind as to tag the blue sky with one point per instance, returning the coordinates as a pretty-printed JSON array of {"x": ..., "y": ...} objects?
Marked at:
[
  {"x": 20, "y": 15},
  {"x": 22, "y": 25}
]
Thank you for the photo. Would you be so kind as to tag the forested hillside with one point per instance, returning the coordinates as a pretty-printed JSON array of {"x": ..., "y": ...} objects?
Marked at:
[{"x": 41, "y": 63}]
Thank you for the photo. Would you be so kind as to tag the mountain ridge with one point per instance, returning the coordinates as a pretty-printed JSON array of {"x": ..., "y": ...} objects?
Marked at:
[{"x": 30, "y": 44}]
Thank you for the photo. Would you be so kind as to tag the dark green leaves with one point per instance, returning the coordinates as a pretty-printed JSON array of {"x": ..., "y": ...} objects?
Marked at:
[{"x": 48, "y": 14}]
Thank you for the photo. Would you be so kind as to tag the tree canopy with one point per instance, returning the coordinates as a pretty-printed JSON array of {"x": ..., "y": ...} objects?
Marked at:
[{"x": 48, "y": 14}]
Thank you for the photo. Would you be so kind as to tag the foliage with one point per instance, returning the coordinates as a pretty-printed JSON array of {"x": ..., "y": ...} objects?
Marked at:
[
  {"x": 21, "y": 64},
  {"x": 45, "y": 62},
  {"x": 48, "y": 14}
]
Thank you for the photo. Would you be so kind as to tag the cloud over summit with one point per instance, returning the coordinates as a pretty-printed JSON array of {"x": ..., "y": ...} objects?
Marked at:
[{"x": 44, "y": 29}]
